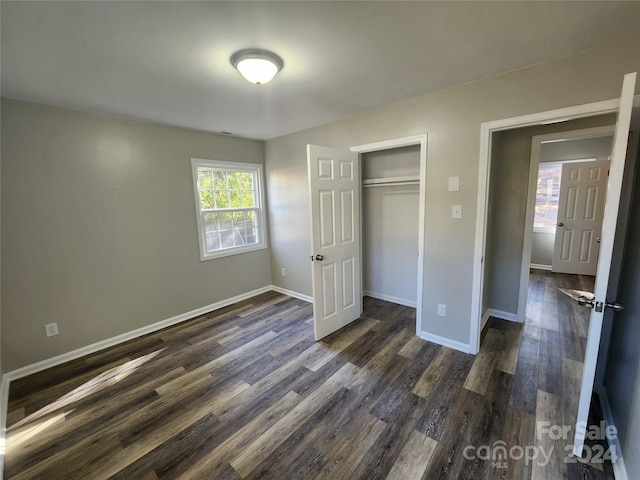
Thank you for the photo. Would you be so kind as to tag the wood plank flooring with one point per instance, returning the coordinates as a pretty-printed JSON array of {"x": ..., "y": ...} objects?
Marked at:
[{"x": 245, "y": 393}]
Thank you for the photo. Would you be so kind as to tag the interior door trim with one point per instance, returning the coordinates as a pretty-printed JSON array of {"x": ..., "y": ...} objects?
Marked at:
[
  {"x": 421, "y": 140},
  {"x": 486, "y": 130}
]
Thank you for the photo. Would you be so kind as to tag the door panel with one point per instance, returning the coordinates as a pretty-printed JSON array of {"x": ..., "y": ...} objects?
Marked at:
[
  {"x": 604, "y": 265},
  {"x": 329, "y": 282},
  {"x": 346, "y": 202},
  {"x": 327, "y": 219},
  {"x": 334, "y": 188},
  {"x": 348, "y": 272},
  {"x": 581, "y": 206},
  {"x": 585, "y": 247},
  {"x": 567, "y": 241}
]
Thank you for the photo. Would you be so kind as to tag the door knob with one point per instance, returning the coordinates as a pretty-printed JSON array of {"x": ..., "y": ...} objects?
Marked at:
[
  {"x": 584, "y": 301},
  {"x": 615, "y": 306},
  {"x": 561, "y": 224},
  {"x": 319, "y": 257}
]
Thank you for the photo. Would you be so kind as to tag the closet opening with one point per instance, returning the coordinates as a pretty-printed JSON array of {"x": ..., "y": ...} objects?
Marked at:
[
  {"x": 390, "y": 219},
  {"x": 392, "y": 228}
]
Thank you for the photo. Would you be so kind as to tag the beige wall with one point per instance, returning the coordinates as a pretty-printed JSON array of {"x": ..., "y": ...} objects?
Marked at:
[
  {"x": 452, "y": 119},
  {"x": 99, "y": 228}
]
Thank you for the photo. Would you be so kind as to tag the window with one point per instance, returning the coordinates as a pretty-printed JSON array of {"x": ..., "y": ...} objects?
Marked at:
[
  {"x": 547, "y": 196},
  {"x": 229, "y": 205}
]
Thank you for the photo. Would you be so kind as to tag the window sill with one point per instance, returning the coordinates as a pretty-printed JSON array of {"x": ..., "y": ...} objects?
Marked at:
[
  {"x": 232, "y": 251},
  {"x": 544, "y": 230}
]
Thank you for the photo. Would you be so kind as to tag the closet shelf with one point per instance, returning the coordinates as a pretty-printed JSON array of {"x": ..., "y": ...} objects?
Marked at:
[{"x": 379, "y": 182}]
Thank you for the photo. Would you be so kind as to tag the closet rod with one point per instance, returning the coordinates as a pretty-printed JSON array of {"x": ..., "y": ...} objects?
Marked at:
[
  {"x": 376, "y": 182},
  {"x": 386, "y": 184}
]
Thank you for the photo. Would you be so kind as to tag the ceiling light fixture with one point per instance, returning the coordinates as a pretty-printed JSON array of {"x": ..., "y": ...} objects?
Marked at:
[{"x": 257, "y": 65}]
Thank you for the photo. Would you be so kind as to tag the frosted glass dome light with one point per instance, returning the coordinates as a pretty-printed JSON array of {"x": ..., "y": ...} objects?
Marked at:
[{"x": 257, "y": 66}]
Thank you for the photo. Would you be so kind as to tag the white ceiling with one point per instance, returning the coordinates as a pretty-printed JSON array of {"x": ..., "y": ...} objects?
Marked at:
[{"x": 168, "y": 62}]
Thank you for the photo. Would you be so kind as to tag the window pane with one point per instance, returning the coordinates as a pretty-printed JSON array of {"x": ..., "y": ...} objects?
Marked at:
[
  {"x": 251, "y": 227},
  {"x": 210, "y": 221},
  {"x": 206, "y": 199},
  {"x": 205, "y": 189},
  {"x": 235, "y": 198},
  {"x": 236, "y": 226},
  {"x": 234, "y": 180},
  {"x": 222, "y": 198},
  {"x": 230, "y": 229},
  {"x": 547, "y": 196},
  {"x": 220, "y": 180},
  {"x": 230, "y": 216},
  {"x": 240, "y": 194},
  {"x": 205, "y": 178},
  {"x": 248, "y": 191},
  {"x": 248, "y": 198}
]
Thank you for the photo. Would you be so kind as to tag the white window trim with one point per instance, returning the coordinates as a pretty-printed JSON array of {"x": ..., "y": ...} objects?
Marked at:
[
  {"x": 259, "y": 195},
  {"x": 544, "y": 230}
]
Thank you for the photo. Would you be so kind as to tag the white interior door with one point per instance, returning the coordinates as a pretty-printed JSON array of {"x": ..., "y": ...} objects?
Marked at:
[
  {"x": 620, "y": 140},
  {"x": 334, "y": 186},
  {"x": 583, "y": 188}
]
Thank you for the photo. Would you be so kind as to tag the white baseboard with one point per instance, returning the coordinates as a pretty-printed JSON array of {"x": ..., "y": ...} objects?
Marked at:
[
  {"x": 445, "y": 342},
  {"x": 619, "y": 470},
  {"x": 511, "y": 317},
  {"x": 485, "y": 319},
  {"x": 291, "y": 293},
  {"x": 110, "y": 342},
  {"x": 539, "y": 266},
  {"x": 95, "y": 347},
  {"x": 390, "y": 298}
]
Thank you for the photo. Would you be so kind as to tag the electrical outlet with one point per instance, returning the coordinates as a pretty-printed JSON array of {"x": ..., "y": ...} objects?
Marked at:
[
  {"x": 283, "y": 271},
  {"x": 456, "y": 211},
  {"x": 442, "y": 310},
  {"x": 51, "y": 329}
]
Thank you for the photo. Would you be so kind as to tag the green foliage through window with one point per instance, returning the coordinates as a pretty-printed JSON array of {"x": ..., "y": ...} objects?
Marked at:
[{"x": 230, "y": 207}]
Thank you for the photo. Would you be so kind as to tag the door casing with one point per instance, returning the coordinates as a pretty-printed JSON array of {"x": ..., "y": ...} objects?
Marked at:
[
  {"x": 420, "y": 140},
  {"x": 486, "y": 131},
  {"x": 624, "y": 106}
]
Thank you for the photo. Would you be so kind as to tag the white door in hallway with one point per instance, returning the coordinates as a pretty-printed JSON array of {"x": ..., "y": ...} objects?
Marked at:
[
  {"x": 583, "y": 187},
  {"x": 609, "y": 224},
  {"x": 334, "y": 187}
]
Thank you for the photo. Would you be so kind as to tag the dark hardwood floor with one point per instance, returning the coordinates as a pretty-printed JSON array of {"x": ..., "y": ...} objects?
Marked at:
[{"x": 245, "y": 392}]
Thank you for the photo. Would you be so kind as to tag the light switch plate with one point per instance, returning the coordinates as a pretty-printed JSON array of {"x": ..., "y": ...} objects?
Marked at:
[
  {"x": 456, "y": 211},
  {"x": 442, "y": 310},
  {"x": 454, "y": 184}
]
